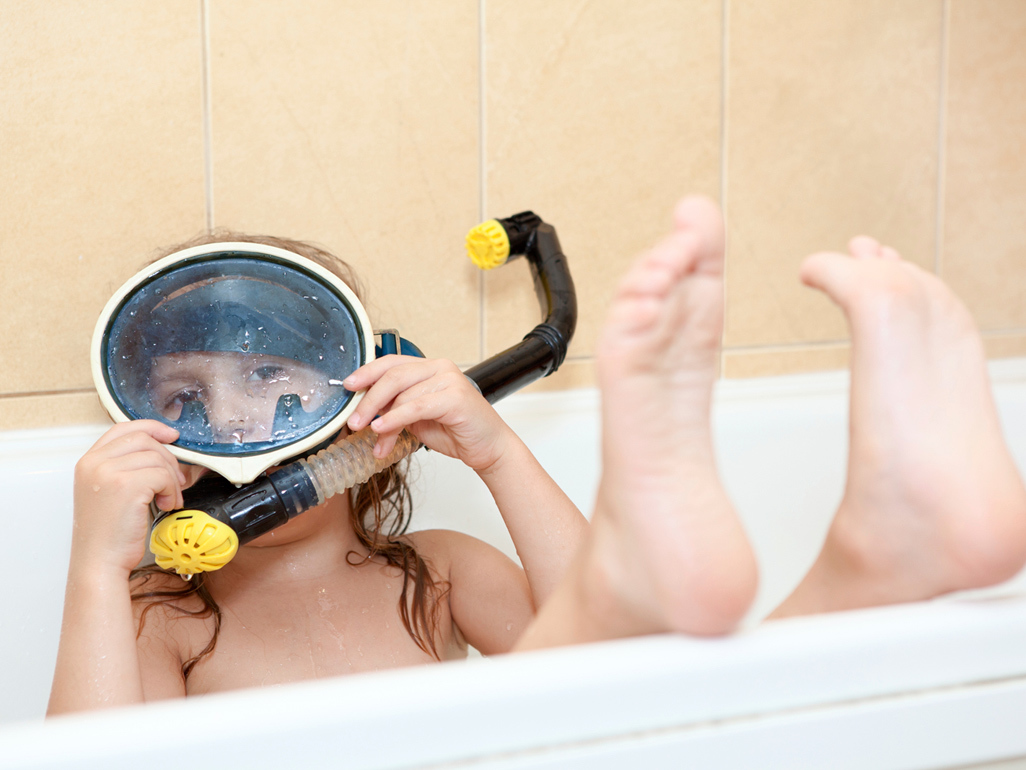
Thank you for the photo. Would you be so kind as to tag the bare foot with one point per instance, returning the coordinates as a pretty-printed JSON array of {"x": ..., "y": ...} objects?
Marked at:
[
  {"x": 934, "y": 502},
  {"x": 666, "y": 551}
]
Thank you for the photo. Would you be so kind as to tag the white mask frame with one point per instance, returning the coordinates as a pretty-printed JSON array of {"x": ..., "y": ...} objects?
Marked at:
[{"x": 239, "y": 469}]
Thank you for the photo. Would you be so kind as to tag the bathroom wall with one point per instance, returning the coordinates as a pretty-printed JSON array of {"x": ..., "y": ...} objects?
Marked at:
[{"x": 385, "y": 130}]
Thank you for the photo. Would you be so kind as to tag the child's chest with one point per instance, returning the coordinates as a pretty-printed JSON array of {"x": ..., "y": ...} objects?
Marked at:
[{"x": 330, "y": 629}]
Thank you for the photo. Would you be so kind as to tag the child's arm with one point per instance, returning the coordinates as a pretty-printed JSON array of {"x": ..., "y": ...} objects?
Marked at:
[
  {"x": 443, "y": 409},
  {"x": 98, "y": 663}
]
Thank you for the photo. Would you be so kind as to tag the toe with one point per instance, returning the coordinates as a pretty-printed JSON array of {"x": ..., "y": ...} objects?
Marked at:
[
  {"x": 830, "y": 272},
  {"x": 889, "y": 254},
  {"x": 864, "y": 247},
  {"x": 699, "y": 215}
]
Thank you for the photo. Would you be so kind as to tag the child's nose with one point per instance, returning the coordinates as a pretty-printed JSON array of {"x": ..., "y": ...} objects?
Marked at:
[{"x": 227, "y": 418}]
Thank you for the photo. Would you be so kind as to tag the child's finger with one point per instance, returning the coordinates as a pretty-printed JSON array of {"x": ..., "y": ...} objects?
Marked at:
[
  {"x": 165, "y": 434},
  {"x": 138, "y": 442},
  {"x": 432, "y": 406},
  {"x": 371, "y": 372},
  {"x": 396, "y": 380},
  {"x": 144, "y": 473},
  {"x": 385, "y": 443},
  {"x": 152, "y": 459},
  {"x": 166, "y": 493}
]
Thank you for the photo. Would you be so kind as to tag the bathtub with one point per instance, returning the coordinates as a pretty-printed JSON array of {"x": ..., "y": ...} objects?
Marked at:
[{"x": 939, "y": 684}]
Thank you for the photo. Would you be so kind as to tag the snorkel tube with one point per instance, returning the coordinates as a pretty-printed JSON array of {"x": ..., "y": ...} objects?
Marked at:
[{"x": 220, "y": 517}]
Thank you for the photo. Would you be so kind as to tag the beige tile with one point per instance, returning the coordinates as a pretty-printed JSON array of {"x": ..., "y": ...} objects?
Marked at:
[
  {"x": 101, "y": 161},
  {"x": 984, "y": 241},
  {"x": 598, "y": 117},
  {"x": 354, "y": 124},
  {"x": 1008, "y": 345},
  {"x": 832, "y": 130},
  {"x": 770, "y": 362},
  {"x": 51, "y": 410}
]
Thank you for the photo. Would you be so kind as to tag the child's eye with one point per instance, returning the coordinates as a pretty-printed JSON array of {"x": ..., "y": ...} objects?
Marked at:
[
  {"x": 267, "y": 373},
  {"x": 173, "y": 405}
]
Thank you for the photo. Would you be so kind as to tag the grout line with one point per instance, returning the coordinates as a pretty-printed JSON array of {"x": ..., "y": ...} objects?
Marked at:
[
  {"x": 995, "y": 333},
  {"x": 724, "y": 63},
  {"x": 208, "y": 142},
  {"x": 482, "y": 176},
  {"x": 724, "y": 59},
  {"x": 790, "y": 347},
  {"x": 33, "y": 394},
  {"x": 942, "y": 128}
]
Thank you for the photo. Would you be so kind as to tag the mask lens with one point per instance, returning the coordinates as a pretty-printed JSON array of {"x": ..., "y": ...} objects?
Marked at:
[{"x": 242, "y": 353}]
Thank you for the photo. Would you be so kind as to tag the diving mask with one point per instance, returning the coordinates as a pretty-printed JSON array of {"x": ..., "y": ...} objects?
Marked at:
[{"x": 239, "y": 346}]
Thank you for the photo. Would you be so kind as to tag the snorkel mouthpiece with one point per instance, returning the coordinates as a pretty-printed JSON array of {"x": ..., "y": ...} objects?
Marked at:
[{"x": 219, "y": 517}]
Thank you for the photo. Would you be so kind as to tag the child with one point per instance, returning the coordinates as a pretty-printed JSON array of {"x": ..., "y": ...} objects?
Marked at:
[
  {"x": 337, "y": 590},
  {"x": 933, "y": 504}
]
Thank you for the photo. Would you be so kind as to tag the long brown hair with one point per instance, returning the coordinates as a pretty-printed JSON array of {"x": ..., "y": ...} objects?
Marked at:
[{"x": 380, "y": 511}]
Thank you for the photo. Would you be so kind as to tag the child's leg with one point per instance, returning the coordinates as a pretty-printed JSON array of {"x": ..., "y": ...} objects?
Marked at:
[
  {"x": 933, "y": 501},
  {"x": 665, "y": 550}
]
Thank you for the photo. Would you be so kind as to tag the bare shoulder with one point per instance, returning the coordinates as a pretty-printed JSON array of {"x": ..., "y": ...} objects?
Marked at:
[
  {"x": 451, "y": 551},
  {"x": 447, "y": 545}
]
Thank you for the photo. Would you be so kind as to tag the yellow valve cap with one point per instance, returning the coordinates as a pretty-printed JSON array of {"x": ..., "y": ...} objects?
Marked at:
[
  {"x": 192, "y": 541},
  {"x": 488, "y": 245}
]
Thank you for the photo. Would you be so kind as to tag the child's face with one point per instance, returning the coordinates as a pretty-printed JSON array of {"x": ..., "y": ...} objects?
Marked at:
[{"x": 239, "y": 391}]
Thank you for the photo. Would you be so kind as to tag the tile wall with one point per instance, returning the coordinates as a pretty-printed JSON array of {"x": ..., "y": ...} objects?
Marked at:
[{"x": 385, "y": 130}]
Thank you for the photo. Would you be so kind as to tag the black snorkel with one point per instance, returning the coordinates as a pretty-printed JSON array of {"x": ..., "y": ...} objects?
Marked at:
[
  {"x": 219, "y": 517},
  {"x": 544, "y": 348}
]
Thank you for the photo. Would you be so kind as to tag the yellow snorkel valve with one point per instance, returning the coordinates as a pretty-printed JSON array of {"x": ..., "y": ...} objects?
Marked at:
[
  {"x": 488, "y": 245},
  {"x": 192, "y": 541}
]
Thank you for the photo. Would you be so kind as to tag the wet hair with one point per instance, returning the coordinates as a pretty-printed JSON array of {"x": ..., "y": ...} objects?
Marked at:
[{"x": 380, "y": 511}]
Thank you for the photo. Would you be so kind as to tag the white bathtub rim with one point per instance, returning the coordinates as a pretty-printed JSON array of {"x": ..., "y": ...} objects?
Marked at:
[{"x": 456, "y": 712}]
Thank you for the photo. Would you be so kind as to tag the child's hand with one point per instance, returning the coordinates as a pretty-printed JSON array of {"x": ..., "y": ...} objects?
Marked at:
[
  {"x": 435, "y": 401},
  {"x": 114, "y": 483}
]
